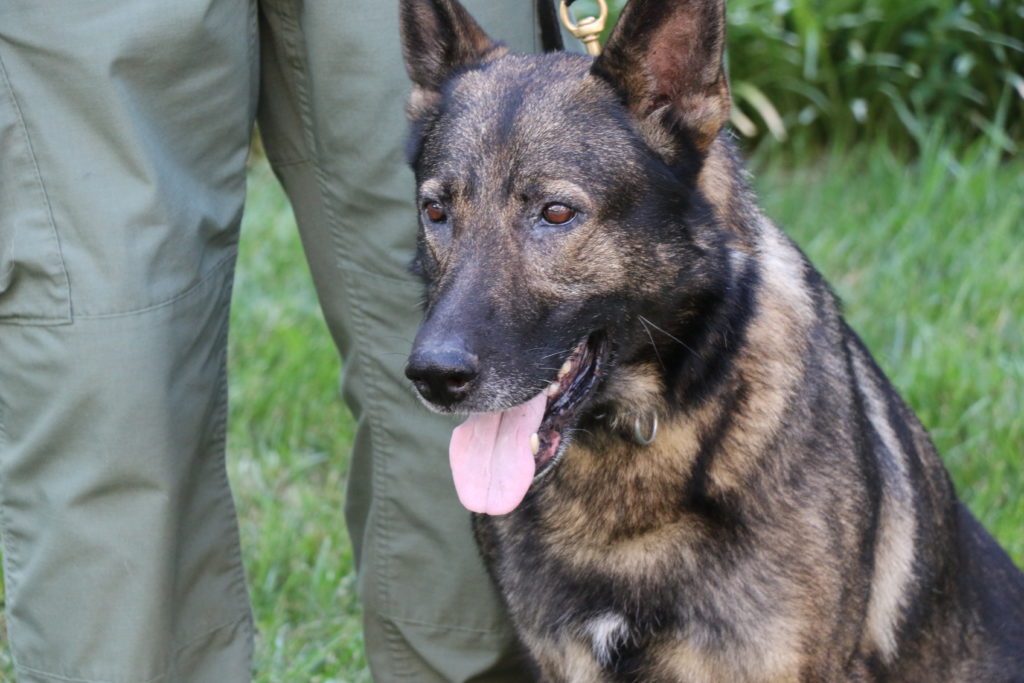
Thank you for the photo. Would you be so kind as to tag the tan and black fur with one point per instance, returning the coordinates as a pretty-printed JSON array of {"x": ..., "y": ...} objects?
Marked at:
[{"x": 791, "y": 521}]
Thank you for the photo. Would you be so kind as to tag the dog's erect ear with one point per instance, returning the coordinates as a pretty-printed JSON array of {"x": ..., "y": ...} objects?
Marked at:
[
  {"x": 665, "y": 57},
  {"x": 439, "y": 37}
]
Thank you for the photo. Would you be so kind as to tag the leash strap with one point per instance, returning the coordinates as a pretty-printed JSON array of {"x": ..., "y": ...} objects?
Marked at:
[
  {"x": 588, "y": 30},
  {"x": 550, "y": 32}
]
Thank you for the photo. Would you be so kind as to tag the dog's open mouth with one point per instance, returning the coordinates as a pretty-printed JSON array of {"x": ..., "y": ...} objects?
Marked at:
[
  {"x": 496, "y": 456},
  {"x": 565, "y": 396}
]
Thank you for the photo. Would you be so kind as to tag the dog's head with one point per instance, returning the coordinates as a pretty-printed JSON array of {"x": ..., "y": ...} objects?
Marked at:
[{"x": 562, "y": 227}]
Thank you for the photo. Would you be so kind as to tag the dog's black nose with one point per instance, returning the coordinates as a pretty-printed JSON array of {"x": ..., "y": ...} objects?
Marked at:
[{"x": 443, "y": 375}]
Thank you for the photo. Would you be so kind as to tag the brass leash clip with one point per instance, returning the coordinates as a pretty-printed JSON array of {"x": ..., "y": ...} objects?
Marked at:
[{"x": 588, "y": 29}]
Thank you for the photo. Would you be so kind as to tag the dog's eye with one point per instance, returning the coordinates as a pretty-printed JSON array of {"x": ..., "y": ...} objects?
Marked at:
[
  {"x": 435, "y": 211},
  {"x": 557, "y": 214}
]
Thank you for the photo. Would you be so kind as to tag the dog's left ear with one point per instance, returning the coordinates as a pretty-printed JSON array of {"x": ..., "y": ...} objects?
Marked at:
[
  {"x": 665, "y": 58},
  {"x": 439, "y": 37}
]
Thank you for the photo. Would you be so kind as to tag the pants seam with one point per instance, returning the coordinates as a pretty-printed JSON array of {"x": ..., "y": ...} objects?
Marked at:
[
  {"x": 219, "y": 446},
  {"x": 439, "y": 627},
  {"x": 72, "y": 679},
  {"x": 155, "y": 679},
  {"x": 184, "y": 294},
  {"x": 536, "y": 24},
  {"x": 383, "y": 450},
  {"x": 254, "y": 67},
  {"x": 289, "y": 162},
  {"x": 29, "y": 321},
  {"x": 9, "y": 554},
  {"x": 42, "y": 190}
]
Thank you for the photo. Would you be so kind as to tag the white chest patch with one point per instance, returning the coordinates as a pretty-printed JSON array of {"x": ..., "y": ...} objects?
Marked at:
[{"x": 606, "y": 633}]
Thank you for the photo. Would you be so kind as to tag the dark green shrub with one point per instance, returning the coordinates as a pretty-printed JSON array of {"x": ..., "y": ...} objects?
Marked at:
[{"x": 839, "y": 71}]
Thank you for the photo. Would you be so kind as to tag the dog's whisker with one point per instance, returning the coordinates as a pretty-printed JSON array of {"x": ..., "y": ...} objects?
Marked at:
[
  {"x": 654, "y": 346},
  {"x": 679, "y": 341},
  {"x": 577, "y": 430}
]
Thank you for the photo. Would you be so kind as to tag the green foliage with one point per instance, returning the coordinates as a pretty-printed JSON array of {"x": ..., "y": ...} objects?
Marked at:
[
  {"x": 845, "y": 70},
  {"x": 840, "y": 71}
]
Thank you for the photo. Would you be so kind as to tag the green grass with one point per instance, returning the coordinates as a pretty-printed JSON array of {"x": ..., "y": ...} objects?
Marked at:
[{"x": 929, "y": 257}]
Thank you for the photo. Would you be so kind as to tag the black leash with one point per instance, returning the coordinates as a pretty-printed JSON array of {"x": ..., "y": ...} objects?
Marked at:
[
  {"x": 550, "y": 31},
  {"x": 588, "y": 29}
]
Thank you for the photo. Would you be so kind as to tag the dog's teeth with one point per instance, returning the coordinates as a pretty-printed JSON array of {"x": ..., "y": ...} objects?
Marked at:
[
  {"x": 566, "y": 368},
  {"x": 534, "y": 443},
  {"x": 554, "y": 388}
]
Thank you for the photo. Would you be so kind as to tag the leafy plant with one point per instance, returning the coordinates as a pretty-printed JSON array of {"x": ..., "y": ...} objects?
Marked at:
[{"x": 839, "y": 71}]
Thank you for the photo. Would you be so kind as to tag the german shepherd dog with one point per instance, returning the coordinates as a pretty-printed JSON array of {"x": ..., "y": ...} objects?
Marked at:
[{"x": 685, "y": 465}]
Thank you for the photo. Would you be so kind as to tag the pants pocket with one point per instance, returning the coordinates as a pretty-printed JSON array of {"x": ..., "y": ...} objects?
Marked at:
[{"x": 33, "y": 281}]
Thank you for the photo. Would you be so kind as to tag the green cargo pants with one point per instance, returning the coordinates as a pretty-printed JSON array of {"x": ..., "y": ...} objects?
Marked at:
[{"x": 124, "y": 129}]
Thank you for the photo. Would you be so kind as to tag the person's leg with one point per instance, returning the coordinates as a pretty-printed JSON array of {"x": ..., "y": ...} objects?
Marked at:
[
  {"x": 124, "y": 128},
  {"x": 332, "y": 120}
]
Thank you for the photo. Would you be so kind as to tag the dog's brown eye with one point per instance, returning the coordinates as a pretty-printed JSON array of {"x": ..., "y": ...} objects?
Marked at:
[
  {"x": 435, "y": 211},
  {"x": 557, "y": 214}
]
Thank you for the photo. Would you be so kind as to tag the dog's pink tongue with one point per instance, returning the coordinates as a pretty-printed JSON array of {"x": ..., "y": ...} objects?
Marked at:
[{"x": 491, "y": 460}]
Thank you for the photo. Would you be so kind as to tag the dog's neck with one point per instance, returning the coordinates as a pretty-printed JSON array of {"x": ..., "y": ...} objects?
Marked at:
[{"x": 711, "y": 374}]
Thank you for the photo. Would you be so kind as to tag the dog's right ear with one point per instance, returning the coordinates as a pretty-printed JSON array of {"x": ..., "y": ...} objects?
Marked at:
[{"x": 439, "y": 37}]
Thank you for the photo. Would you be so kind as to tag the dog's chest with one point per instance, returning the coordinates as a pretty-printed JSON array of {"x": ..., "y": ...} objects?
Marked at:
[
  {"x": 605, "y": 648},
  {"x": 616, "y": 614}
]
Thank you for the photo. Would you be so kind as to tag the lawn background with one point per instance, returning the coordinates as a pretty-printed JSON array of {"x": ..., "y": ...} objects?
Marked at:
[{"x": 885, "y": 140}]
